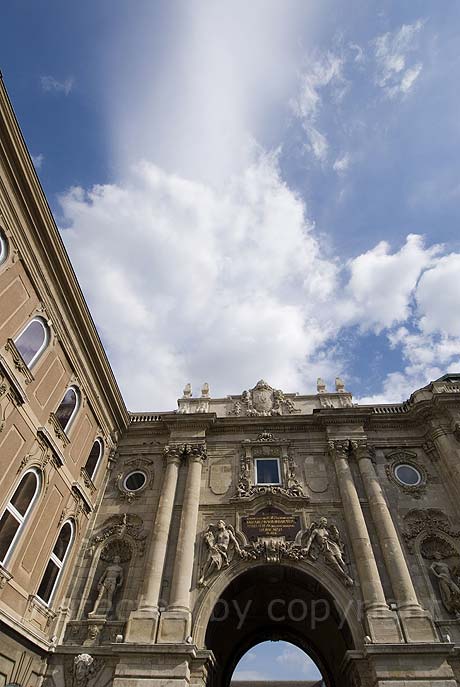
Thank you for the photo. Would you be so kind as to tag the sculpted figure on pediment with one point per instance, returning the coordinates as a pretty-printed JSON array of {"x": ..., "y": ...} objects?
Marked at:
[
  {"x": 324, "y": 540},
  {"x": 220, "y": 542}
]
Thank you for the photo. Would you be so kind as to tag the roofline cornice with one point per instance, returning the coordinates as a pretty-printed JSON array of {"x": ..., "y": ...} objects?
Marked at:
[{"x": 63, "y": 295}]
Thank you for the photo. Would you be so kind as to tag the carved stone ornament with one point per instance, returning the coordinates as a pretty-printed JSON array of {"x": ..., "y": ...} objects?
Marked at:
[
  {"x": 18, "y": 361},
  {"x": 87, "y": 481},
  {"x": 424, "y": 524},
  {"x": 119, "y": 526},
  {"x": 5, "y": 576},
  {"x": 135, "y": 464},
  {"x": 83, "y": 668},
  {"x": 263, "y": 401},
  {"x": 448, "y": 584},
  {"x": 323, "y": 543},
  {"x": 221, "y": 545},
  {"x": 290, "y": 485},
  {"x": 407, "y": 458}
]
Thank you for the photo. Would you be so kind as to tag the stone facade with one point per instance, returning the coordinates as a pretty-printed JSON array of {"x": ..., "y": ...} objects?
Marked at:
[{"x": 195, "y": 534}]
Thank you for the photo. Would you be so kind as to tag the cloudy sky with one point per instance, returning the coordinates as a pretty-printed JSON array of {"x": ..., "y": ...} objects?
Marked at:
[
  {"x": 276, "y": 661},
  {"x": 252, "y": 189}
]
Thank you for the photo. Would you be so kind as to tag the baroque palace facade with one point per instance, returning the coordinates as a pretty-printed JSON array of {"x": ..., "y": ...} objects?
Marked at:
[{"x": 156, "y": 549}]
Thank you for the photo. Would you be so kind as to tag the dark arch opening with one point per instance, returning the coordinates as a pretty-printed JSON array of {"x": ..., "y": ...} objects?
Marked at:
[{"x": 274, "y": 602}]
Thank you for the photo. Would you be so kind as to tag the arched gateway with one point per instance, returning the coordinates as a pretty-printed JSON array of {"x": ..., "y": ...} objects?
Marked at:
[
  {"x": 278, "y": 601},
  {"x": 269, "y": 516}
]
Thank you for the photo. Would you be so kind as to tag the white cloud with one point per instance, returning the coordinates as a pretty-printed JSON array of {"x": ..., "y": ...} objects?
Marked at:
[
  {"x": 392, "y": 51},
  {"x": 250, "y": 675},
  {"x": 227, "y": 286},
  {"x": 359, "y": 56},
  {"x": 50, "y": 84},
  {"x": 319, "y": 74},
  {"x": 440, "y": 313},
  {"x": 342, "y": 164},
  {"x": 38, "y": 160},
  {"x": 381, "y": 285},
  {"x": 187, "y": 283}
]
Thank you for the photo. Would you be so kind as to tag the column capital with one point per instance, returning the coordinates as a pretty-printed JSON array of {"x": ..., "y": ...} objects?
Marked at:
[
  {"x": 339, "y": 448},
  {"x": 196, "y": 453},
  {"x": 361, "y": 449},
  {"x": 174, "y": 453}
]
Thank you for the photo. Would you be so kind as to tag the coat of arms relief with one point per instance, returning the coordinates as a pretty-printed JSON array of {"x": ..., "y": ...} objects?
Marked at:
[{"x": 263, "y": 400}]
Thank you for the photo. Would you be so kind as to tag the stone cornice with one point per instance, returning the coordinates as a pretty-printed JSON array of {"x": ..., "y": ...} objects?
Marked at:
[
  {"x": 50, "y": 269},
  {"x": 188, "y": 422}
]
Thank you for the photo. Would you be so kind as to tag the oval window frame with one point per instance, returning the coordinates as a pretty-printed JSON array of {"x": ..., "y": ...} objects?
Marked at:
[
  {"x": 412, "y": 485},
  {"x": 130, "y": 474}
]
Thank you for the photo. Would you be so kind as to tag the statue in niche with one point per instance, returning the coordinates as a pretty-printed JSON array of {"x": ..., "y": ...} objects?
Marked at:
[
  {"x": 324, "y": 539},
  {"x": 110, "y": 580},
  {"x": 448, "y": 587},
  {"x": 221, "y": 542}
]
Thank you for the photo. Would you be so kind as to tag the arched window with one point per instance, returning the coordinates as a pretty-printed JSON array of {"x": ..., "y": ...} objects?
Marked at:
[
  {"x": 3, "y": 247},
  {"x": 68, "y": 407},
  {"x": 32, "y": 341},
  {"x": 56, "y": 562},
  {"x": 16, "y": 511},
  {"x": 94, "y": 458}
]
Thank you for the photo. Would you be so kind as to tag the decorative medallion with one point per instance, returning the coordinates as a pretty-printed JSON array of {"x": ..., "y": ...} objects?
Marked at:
[{"x": 263, "y": 401}]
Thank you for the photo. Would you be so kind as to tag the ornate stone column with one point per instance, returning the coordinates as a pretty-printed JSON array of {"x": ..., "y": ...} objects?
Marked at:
[
  {"x": 382, "y": 622},
  {"x": 175, "y": 624},
  {"x": 416, "y": 622},
  {"x": 142, "y": 624}
]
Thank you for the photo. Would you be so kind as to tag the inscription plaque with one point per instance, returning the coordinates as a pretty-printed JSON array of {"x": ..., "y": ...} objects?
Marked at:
[{"x": 270, "y": 522}]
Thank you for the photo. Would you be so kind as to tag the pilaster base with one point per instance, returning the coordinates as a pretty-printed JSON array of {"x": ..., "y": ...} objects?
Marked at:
[
  {"x": 418, "y": 625},
  {"x": 142, "y": 627},
  {"x": 400, "y": 665},
  {"x": 156, "y": 666},
  {"x": 175, "y": 626},
  {"x": 384, "y": 626}
]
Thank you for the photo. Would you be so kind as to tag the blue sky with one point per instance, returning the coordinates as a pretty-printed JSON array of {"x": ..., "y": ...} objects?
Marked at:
[
  {"x": 276, "y": 661},
  {"x": 246, "y": 190}
]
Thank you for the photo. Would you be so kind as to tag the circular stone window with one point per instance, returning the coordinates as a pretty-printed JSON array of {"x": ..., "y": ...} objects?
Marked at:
[
  {"x": 134, "y": 481},
  {"x": 408, "y": 475}
]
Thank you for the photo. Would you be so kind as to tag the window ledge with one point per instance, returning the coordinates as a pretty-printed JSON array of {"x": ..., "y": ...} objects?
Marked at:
[
  {"x": 80, "y": 493},
  {"x": 88, "y": 482},
  {"x": 60, "y": 433},
  {"x": 44, "y": 434},
  {"x": 16, "y": 389},
  {"x": 18, "y": 361},
  {"x": 5, "y": 576},
  {"x": 37, "y": 604}
]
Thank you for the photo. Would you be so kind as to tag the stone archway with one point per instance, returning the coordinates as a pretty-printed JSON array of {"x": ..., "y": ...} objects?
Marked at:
[{"x": 279, "y": 602}]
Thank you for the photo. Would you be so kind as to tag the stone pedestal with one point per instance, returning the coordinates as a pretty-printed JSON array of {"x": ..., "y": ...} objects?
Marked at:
[
  {"x": 418, "y": 625},
  {"x": 158, "y": 666},
  {"x": 142, "y": 626},
  {"x": 400, "y": 665},
  {"x": 175, "y": 626}
]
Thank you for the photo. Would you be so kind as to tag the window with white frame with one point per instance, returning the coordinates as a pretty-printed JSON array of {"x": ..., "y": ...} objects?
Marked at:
[
  {"x": 33, "y": 340},
  {"x": 3, "y": 247},
  {"x": 17, "y": 510},
  {"x": 267, "y": 471},
  {"x": 56, "y": 562},
  {"x": 94, "y": 458},
  {"x": 68, "y": 407}
]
